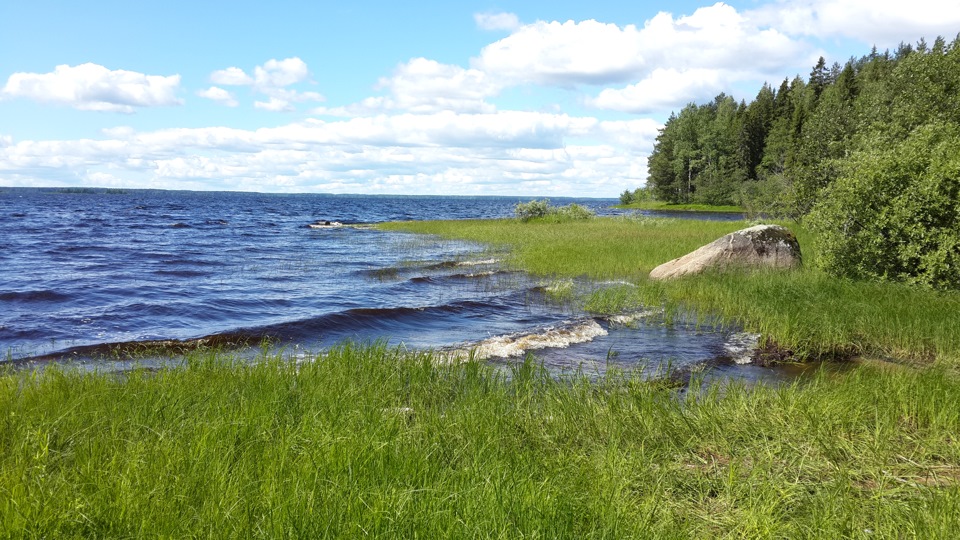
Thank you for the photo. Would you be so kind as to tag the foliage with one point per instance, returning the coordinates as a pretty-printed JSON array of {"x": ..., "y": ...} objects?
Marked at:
[
  {"x": 641, "y": 194},
  {"x": 895, "y": 213},
  {"x": 532, "y": 210},
  {"x": 768, "y": 196},
  {"x": 542, "y": 209},
  {"x": 786, "y": 152}
]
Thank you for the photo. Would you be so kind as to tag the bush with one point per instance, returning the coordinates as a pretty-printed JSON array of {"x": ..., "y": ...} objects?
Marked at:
[
  {"x": 542, "y": 209},
  {"x": 772, "y": 196},
  {"x": 532, "y": 210},
  {"x": 894, "y": 213},
  {"x": 574, "y": 212},
  {"x": 641, "y": 194}
]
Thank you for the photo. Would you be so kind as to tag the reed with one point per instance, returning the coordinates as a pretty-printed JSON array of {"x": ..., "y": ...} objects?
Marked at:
[
  {"x": 375, "y": 441},
  {"x": 805, "y": 311}
]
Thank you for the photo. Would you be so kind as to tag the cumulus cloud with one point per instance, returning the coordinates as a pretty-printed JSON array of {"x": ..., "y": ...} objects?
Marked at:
[
  {"x": 496, "y": 21},
  {"x": 591, "y": 52},
  {"x": 270, "y": 79},
  {"x": 426, "y": 86},
  {"x": 280, "y": 73},
  {"x": 92, "y": 87},
  {"x": 664, "y": 63},
  {"x": 874, "y": 22},
  {"x": 569, "y": 53},
  {"x": 662, "y": 89},
  {"x": 232, "y": 76},
  {"x": 501, "y": 152},
  {"x": 219, "y": 95}
]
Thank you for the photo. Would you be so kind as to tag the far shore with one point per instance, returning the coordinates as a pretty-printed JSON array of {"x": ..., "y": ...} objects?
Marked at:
[{"x": 689, "y": 207}]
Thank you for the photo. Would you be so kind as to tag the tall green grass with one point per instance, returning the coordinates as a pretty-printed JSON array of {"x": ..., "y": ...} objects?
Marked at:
[
  {"x": 375, "y": 442},
  {"x": 805, "y": 311},
  {"x": 600, "y": 248}
]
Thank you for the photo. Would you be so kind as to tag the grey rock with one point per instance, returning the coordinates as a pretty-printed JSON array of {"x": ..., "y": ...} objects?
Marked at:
[{"x": 771, "y": 246}]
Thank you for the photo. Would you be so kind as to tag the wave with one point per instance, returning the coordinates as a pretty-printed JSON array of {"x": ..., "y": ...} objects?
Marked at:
[
  {"x": 126, "y": 350},
  {"x": 513, "y": 345},
  {"x": 627, "y": 319},
  {"x": 478, "y": 263},
  {"x": 181, "y": 273},
  {"x": 327, "y": 328},
  {"x": 459, "y": 264},
  {"x": 739, "y": 346},
  {"x": 398, "y": 272},
  {"x": 454, "y": 277},
  {"x": 34, "y": 296}
]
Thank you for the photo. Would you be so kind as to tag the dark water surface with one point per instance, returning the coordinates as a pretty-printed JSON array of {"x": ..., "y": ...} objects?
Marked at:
[{"x": 84, "y": 271}]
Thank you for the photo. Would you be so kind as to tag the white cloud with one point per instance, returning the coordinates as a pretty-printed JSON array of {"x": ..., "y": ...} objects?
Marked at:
[
  {"x": 589, "y": 52},
  {"x": 232, "y": 76},
  {"x": 219, "y": 95},
  {"x": 271, "y": 79},
  {"x": 564, "y": 54},
  {"x": 503, "y": 152},
  {"x": 425, "y": 86},
  {"x": 884, "y": 23},
  {"x": 662, "y": 89},
  {"x": 280, "y": 73},
  {"x": 92, "y": 87},
  {"x": 496, "y": 21},
  {"x": 274, "y": 104},
  {"x": 667, "y": 62}
]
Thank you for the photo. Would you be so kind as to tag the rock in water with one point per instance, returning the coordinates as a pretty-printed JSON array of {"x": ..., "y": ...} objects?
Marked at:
[{"x": 770, "y": 246}]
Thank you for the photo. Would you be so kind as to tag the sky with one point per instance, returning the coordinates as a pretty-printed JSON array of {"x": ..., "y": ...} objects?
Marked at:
[{"x": 527, "y": 98}]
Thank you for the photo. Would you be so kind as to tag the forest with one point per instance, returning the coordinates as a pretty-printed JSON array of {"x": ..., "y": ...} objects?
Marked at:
[{"x": 866, "y": 155}]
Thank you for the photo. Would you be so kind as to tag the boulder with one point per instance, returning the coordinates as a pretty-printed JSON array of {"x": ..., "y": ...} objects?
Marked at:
[{"x": 769, "y": 246}]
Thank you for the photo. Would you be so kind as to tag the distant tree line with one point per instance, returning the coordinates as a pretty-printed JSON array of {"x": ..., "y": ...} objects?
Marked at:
[{"x": 867, "y": 154}]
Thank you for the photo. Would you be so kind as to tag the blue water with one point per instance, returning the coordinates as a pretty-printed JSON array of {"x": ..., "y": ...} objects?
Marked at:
[{"x": 88, "y": 274}]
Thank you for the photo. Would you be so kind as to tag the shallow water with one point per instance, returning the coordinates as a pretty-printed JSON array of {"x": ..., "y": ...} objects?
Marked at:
[{"x": 97, "y": 278}]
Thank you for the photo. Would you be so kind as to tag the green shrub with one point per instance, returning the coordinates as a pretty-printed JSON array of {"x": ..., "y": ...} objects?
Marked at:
[
  {"x": 532, "y": 210},
  {"x": 894, "y": 214},
  {"x": 574, "y": 211},
  {"x": 542, "y": 209},
  {"x": 771, "y": 196}
]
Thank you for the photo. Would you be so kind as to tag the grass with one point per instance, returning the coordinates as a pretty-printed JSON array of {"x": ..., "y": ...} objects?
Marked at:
[
  {"x": 805, "y": 311},
  {"x": 681, "y": 207},
  {"x": 373, "y": 441}
]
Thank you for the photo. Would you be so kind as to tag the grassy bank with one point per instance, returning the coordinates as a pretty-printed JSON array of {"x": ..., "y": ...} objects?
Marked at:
[
  {"x": 804, "y": 311},
  {"x": 671, "y": 207},
  {"x": 375, "y": 442},
  {"x": 370, "y": 441}
]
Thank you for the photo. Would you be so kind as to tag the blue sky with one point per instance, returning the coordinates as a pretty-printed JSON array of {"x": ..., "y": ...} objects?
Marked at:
[{"x": 514, "y": 97}]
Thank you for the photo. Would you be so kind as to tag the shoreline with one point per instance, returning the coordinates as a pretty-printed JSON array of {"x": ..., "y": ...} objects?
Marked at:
[
  {"x": 377, "y": 440},
  {"x": 803, "y": 310},
  {"x": 681, "y": 208}
]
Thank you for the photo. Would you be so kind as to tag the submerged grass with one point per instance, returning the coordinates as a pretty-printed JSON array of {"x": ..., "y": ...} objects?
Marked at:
[
  {"x": 805, "y": 311},
  {"x": 373, "y": 441}
]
